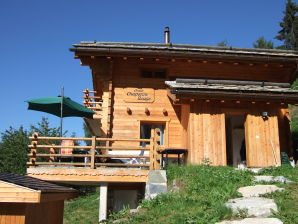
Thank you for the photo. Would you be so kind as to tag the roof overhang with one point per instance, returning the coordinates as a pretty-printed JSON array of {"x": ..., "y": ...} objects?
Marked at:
[
  {"x": 223, "y": 91},
  {"x": 182, "y": 51}
]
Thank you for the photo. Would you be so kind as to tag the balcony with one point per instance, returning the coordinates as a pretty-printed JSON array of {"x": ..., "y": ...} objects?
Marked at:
[{"x": 97, "y": 160}]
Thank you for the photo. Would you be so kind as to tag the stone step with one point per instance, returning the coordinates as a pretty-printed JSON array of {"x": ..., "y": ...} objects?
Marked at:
[
  {"x": 253, "y": 221},
  {"x": 157, "y": 184},
  {"x": 258, "y": 190},
  {"x": 253, "y": 206},
  {"x": 280, "y": 179}
]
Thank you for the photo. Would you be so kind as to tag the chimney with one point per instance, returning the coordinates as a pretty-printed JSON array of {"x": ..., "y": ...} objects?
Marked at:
[{"x": 167, "y": 35}]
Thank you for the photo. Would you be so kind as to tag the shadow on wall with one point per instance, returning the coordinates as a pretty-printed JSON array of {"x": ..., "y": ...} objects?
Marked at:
[{"x": 294, "y": 132}]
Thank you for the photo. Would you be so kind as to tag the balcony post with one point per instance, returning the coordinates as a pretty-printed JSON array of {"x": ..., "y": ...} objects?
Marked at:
[
  {"x": 93, "y": 148},
  {"x": 156, "y": 147},
  {"x": 34, "y": 143},
  {"x": 151, "y": 152},
  {"x": 52, "y": 151}
]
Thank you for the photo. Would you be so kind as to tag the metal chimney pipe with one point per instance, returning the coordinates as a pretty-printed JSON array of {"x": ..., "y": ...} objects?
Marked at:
[{"x": 167, "y": 35}]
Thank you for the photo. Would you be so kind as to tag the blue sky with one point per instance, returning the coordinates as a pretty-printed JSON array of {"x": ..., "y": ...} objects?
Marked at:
[{"x": 35, "y": 37}]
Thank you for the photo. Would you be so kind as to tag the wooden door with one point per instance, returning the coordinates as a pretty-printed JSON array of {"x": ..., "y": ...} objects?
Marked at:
[
  {"x": 262, "y": 139},
  {"x": 206, "y": 134}
]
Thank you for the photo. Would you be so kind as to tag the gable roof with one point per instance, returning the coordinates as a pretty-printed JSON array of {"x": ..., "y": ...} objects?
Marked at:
[{"x": 34, "y": 183}]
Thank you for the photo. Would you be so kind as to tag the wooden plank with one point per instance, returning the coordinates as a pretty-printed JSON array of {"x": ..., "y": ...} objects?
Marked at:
[
  {"x": 58, "y": 164},
  {"x": 66, "y": 174},
  {"x": 121, "y": 156},
  {"x": 59, "y": 155},
  {"x": 122, "y": 164},
  {"x": 29, "y": 197}
]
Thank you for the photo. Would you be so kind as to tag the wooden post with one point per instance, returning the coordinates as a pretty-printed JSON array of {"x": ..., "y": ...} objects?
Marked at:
[
  {"x": 156, "y": 146},
  {"x": 151, "y": 152},
  {"x": 34, "y": 149},
  {"x": 93, "y": 146},
  {"x": 52, "y": 151},
  {"x": 103, "y": 199}
]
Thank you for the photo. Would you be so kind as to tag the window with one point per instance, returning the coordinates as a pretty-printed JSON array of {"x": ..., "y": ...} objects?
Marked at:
[
  {"x": 154, "y": 73},
  {"x": 145, "y": 132}
]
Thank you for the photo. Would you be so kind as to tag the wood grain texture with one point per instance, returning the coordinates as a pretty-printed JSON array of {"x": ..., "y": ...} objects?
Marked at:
[
  {"x": 195, "y": 125},
  {"x": 206, "y": 135},
  {"x": 262, "y": 139}
]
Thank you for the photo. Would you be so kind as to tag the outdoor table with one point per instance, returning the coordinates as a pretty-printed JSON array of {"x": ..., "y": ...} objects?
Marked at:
[{"x": 172, "y": 151}]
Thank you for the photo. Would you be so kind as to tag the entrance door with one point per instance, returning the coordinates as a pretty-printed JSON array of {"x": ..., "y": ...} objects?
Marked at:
[{"x": 236, "y": 153}]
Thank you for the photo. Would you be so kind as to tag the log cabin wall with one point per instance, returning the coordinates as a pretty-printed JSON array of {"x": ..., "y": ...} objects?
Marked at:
[
  {"x": 182, "y": 122},
  {"x": 127, "y": 74}
]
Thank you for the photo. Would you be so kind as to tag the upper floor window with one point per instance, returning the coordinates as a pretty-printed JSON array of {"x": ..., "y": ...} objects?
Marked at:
[{"x": 154, "y": 73}]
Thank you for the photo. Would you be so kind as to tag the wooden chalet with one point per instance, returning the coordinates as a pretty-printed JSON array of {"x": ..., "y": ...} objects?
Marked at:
[
  {"x": 221, "y": 105},
  {"x": 208, "y": 100}
]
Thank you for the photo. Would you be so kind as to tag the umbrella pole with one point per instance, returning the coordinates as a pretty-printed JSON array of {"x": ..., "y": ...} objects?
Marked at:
[
  {"x": 61, "y": 117},
  {"x": 61, "y": 110}
]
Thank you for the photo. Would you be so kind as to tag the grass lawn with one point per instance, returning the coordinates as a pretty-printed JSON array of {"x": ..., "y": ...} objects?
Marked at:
[
  {"x": 82, "y": 210},
  {"x": 287, "y": 200},
  {"x": 203, "y": 192}
]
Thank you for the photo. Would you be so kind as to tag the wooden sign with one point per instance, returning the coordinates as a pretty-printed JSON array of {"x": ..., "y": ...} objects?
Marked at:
[{"x": 138, "y": 95}]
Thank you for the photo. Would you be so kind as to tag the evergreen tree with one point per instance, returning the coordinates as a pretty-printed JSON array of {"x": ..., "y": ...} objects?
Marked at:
[
  {"x": 13, "y": 151},
  {"x": 262, "y": 43},
  {"x": 223, "y": 43},
  {"x": 287, "y": 32},
  {"x": 43, "y": 129},
  {"x": 14, "y": 145}
]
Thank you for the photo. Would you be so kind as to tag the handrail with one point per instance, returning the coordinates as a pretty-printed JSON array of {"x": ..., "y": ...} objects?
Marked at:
[
  {"x": 93, "y": 155},
  {"x": 88, "y": 139}
]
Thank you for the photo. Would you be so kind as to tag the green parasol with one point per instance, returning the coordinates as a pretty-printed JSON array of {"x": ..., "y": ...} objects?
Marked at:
[{"x": 61, "y": 107}]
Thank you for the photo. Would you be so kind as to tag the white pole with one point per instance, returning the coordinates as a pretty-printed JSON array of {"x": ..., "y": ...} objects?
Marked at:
[{"x": 103, "y": 199}]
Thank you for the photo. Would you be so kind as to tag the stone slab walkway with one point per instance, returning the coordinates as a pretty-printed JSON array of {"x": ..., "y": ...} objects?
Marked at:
[
  {"x": 254, "y": 221},
  {"x": 258, "y": 190},
  {"x": 251, "y": 204},
  {"x": 269, "y": 179}
]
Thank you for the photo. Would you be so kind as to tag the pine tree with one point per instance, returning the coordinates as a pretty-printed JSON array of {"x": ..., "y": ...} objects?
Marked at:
[
  {"x": 223, "y": 43},
  {"x": 13, "y": 151},
  {"x": 288, "y": 29},
  {"x": 262, "y": 43}
]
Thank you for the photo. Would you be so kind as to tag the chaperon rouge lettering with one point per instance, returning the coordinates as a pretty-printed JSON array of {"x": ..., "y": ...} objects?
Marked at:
[{"x": 140, "y": 96}]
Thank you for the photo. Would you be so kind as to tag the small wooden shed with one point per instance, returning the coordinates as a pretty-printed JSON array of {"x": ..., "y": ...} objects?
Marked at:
[{"x": 25, "y": 199}]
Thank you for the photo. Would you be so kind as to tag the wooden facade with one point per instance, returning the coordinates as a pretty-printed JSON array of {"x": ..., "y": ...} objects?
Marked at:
[
  {"x": 194, "y": 121},
  {"x": 25, "y": 200}
]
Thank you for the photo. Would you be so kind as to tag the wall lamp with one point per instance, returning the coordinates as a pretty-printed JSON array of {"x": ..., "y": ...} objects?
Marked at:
[{"x": 265, "y": 115}]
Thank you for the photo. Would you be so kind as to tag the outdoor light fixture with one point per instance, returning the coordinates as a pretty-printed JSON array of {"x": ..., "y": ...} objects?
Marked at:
[{"x": 265, "y": 115}]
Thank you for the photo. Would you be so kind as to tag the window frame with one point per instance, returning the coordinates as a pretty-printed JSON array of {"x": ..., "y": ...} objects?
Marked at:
[{"x": 165, "y": 121}]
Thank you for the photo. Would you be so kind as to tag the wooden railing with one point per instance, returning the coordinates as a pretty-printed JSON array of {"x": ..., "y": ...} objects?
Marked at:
[
  {"x": 92, "y": 102},
  {"x": 44, "y": 153}
]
